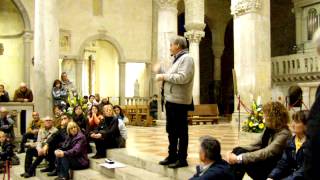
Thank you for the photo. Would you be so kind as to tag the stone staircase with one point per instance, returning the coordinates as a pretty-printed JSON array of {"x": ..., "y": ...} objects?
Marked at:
[{"x": 136, "y": 169}]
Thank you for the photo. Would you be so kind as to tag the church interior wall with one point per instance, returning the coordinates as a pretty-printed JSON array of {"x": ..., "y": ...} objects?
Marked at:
[
  {"x": 11, "y": 30},
  {"x": 283, "y": 28}
]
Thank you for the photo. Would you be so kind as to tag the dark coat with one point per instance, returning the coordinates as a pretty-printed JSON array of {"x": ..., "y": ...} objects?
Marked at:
[
  {"x": 109, "y": 128},
  {"x": 6, "y": 151},
  {"x": 81, "y": 121},
  {"x": 5, "y": 97},
  {"x": 153, "y": 105},
  {"x": 57, "y": 139},
  {"x": 312, "y": 155},
  {"x": 6, "y": 125},
  {"x": 20, "y": 96},
  {"x": 218, "y": 170},
  {"x": 75, "y": 147},
  {"x": 290, "y": 166}
]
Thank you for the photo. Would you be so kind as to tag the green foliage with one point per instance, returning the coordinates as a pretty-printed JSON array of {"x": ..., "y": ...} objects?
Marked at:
[{"x": 254, "y": 123}]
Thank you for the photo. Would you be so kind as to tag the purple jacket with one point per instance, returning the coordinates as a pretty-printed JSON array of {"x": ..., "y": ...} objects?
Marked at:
[{"x": 76, "y": 148}]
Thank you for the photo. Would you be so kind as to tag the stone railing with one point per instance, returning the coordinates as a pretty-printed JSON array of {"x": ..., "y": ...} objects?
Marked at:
[
  {"x": 15, "y": 109},
  {"x": 295, "y": 67},
  {"x": 137, "y": 100}
]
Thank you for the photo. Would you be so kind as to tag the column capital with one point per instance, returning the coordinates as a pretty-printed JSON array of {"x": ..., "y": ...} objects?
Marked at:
[
  {"x": 241, "y": 7},
  {"x": 195, "y": 26},
  {"x": 167, "y": 3},
  {"x": 194, "y": 36},
  {"x": 27, "y": 36}
]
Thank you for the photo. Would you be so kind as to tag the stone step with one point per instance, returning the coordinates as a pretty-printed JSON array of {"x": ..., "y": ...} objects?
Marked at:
[
  {"x": 133, "y": 173},
  {"x": 149, "y": 164}
]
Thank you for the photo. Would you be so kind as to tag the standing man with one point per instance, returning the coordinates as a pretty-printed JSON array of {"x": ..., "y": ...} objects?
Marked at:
[{"x": 177, "y": 87}]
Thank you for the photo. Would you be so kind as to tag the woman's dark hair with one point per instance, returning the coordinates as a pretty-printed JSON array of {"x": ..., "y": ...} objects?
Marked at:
[
  {"x": 91, "y": 96},
  {"x": 211, "y": 147},
  {"x": 75, "y": 108},
  {"x": 57, "y": 81},
  {"x": 276, "y": 115},
  {"x": 301, "y": 116},
  {"x": 121, "y": 111},
  {"x": 90, "y": 111}
]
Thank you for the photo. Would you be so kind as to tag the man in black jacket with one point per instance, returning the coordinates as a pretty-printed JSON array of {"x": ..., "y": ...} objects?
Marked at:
[
  {"x": 214, "y": 167},
  {"x": 56, "y": 141},
  {"x": 107, "y": 134}
]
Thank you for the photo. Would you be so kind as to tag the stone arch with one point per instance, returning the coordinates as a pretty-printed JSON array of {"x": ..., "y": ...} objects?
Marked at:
[
  {"x": 24, "y": 14},
  {"x": 105, "y": 37}
]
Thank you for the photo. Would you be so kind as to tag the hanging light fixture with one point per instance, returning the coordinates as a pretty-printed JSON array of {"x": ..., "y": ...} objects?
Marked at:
[{"x": 1, "y": 49}]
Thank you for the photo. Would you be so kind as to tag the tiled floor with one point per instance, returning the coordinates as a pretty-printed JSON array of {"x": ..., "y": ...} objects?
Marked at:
[{"x": 153, "y": 142}]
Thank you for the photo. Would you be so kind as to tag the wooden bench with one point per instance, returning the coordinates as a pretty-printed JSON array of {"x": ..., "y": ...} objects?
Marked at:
[{"x": 204, "y": 113}]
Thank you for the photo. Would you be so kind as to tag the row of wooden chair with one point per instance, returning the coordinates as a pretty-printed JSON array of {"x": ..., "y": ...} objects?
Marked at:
[{"x": 139, "y": 115}]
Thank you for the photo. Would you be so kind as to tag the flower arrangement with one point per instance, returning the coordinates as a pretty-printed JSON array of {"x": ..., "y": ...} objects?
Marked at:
[
  {"x": 255, "y": 121},
  {"x": 73, "y": 101}
]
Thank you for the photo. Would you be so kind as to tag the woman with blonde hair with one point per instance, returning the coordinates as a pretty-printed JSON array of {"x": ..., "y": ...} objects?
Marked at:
[
  {"x": 73, "y": 153},
  {"x": 261, "y": 157}
]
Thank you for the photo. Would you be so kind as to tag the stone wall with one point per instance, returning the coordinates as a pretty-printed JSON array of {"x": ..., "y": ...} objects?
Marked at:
[
  {"x": 283, "y": 29},
  {"x": 11, "y": 31}
]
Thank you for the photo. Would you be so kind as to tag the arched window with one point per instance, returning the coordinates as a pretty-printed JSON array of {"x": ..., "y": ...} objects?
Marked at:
[{"x": 312, "y": 22}]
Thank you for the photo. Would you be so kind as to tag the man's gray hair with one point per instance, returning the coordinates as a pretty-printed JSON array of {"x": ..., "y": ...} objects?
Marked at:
[
  {"x": 180, "y": 41},
  {"x": 211, "y": 147}
]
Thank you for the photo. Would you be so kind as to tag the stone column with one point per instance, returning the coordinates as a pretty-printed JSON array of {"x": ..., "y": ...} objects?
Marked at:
[
  {"x": 194, "y": 26},
  {"x": 299, "y": 17},
  {"x": 148, "y": 81},
  {"x": 122, "y": 78},
  {"x": 252, "y": 52},
  {"x": 27, "y": 42},
  {"x": 79, "y": 69},
  {"x": 167, "y": 27},
  {"x": 218, "y": 51},
  {"x": 46, "y": 54}
]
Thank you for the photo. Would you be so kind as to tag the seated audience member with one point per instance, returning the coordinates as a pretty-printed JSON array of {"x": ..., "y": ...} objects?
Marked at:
[
  {"x": 32, "y": 131},
  {"x": 57, "y": 139},
  {"x": 40, "y": 150},
  {"x": 4, "y": 96},
  {"x": 6, "y": 152},
  {"x": 6, "y": 123},
  {"x": 59, "y": 94},
  {"x": 91, "y": 102},
  {"x": 153, "y": 106},
  {"x": 23, "y": 94},
  {"x": 119, "y": 114},
  {"x": 213, "y": 166},
  {"x": 57, "y": 112},
  {"x": 259, "y": 159},
  {"x": 103, "y": 102},
  {"x": 66, "y": 83},
  {"x": 97, "y": 98},
  {"x": 291, "y": 164},
  {"x": 85, "y": 99},
  {"x": 80, "y": 118},
  {"x": 107, "y": 134},
  {"x": 94, "y": 117},
  {"x": 73, "y": 154}
]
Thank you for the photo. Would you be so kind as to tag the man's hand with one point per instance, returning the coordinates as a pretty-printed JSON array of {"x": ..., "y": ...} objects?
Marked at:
[
  {"x": 59, "y": 153},
  {"x": 156, "y": 68},
  {"x": 231, "y": 158},
  {"x": 269, "y": 179},
  {"x": 25, "y": 100},
  {"x": 40, "y": 152},
  {"x": 98, "y": 136},
  {"x": 159, "y": 77},
  {"x": 35, "y": 131}
]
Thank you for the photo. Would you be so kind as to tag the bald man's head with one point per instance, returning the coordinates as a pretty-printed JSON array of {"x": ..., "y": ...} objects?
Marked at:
[{"x": 23, "y": 87}]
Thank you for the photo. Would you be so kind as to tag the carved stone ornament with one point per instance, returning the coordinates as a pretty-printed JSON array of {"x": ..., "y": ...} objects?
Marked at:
[
  {"x": 242, "y": 7},
  {"x": 194, "y": 36}
]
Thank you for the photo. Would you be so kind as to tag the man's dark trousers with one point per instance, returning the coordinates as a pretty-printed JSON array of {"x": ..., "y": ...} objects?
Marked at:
[{"x": 177, "y": 129}]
